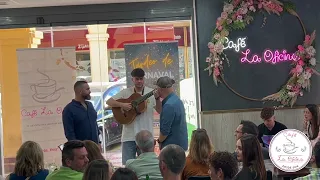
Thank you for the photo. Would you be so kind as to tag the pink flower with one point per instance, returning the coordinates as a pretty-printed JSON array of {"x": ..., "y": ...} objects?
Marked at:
[
  {"x": 210, "y": 45},
  {"x": 208, "y": 59},
  {"x": 243, "y": 10},
  {"x": 239, "y": 18},
  {"x": 301, "y": 93},
  {"x": 299, "y": 69},
  {"x": 301, "y": 63},
  {"x": 307, "y": 39},
  {"x": 220, "y": 28},
  {"x": 252, "y": 8},
  {"x": 309, "y": 70},
  {"x": 301, "y": 48},
  {"x": 234, "y": 17},
  {"x": 224, "y": 15},
  {"x": 219, "y": 22},
  {"x": 260, "y": 5},
  {"x": 216, "y": 71}
]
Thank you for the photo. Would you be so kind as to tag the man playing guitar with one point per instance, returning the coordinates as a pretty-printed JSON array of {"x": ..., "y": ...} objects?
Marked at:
[{"x": 143, "y": 121}]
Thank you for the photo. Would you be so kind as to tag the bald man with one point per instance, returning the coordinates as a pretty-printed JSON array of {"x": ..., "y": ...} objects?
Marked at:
[
  {"x": 147, "y": 163},
  {"x": 79, "y": 116},
  {"x": 172, "y": 160}
]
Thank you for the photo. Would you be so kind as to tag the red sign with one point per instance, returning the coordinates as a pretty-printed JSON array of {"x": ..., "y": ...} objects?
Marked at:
[{"x": 117, "y": 37}]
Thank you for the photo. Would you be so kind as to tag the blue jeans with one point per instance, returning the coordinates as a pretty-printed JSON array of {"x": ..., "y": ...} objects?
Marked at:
[{"x": 129, "y": 151}]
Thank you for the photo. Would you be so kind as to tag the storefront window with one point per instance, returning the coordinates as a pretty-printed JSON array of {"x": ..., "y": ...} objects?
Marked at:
[{"x": 96, "y": 53}]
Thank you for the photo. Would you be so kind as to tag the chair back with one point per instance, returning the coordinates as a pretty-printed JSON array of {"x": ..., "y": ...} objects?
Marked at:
[
  {"x": 269, "y": 175},
  {"x": 199, "y": 178}
]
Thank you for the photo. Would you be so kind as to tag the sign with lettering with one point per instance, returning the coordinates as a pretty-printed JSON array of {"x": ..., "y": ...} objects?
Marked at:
[
  {"x": 189, "y": 101},
  {"x": 46, "y": 78},
  {"x": 156, "y": 59},
  {"x": 268, "y": 56}
]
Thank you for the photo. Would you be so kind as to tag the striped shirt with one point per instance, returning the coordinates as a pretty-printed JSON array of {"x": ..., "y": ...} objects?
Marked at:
[{"x": 314, "y": 175}]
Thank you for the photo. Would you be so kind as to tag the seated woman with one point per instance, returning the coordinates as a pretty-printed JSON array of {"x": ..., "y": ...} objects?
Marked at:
[
  {"x": 93, "y": 150},
  {"x": 249, "y": 153},
  {"x": 124, "y": 174},
  {"x": 29, "y": 163},
  {"x": 311, "y": 123},
  {"x": 222, "y": 166},
  {"x": 98, "y": 170},
  {"x": 199, "y": 152}
]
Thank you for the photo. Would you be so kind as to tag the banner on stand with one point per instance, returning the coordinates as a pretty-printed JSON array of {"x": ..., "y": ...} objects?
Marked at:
[
  {"x": 46, "y": 78},
  {"x": 156, "y": 59}
]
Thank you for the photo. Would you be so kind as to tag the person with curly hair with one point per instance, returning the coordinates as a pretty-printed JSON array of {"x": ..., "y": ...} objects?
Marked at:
[
  {"x": 222, "y": 166},
  {"x": 269, "y": 127}
]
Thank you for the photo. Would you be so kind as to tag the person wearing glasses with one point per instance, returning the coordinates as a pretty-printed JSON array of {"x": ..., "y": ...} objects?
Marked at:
[
  {"x": 173, "y": 125},
  {"x": 248, "y": 127},
  {"x": 142, "y": 122}
]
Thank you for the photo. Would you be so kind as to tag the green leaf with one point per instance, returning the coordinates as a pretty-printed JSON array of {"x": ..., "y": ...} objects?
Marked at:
[
  {"x": 287, "y": 5},
  {"x": 238, "y": 25}
]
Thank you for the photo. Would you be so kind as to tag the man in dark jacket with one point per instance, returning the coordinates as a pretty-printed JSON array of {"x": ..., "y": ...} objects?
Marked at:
[
  {"x": 79, "y": 116},
  {"x": 248, "y": 127}
]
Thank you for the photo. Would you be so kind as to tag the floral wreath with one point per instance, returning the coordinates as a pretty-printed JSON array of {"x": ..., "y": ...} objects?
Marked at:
[{"x": 237, "y": 14}]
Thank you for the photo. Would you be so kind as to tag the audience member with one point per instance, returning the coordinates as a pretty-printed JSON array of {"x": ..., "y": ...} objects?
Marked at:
[
  {"x": 172, "y": 160},
  {"x": 94, "y": 151},
  {"x": 29, "y": 163},
  {"x": 269, "y": 127},
  {"x": 315, "y": 171},
  {"x": 311, "y": 122},
  {"x": 248, "y": 127},
  {"x": 124, "y": 174},
  {"x": 199, "y": 151},
  {"x": 147, "y": 163},
  {"x": 223, "y": 166},
  {"x": 173, "y": 125},
  {"x": 74, "y": 162},
  {"x": 98, "y": 170},
  {"x": 249, "y": 153}
]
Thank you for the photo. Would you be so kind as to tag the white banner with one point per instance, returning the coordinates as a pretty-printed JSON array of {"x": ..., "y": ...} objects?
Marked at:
[{"x": 46, "y": 79}]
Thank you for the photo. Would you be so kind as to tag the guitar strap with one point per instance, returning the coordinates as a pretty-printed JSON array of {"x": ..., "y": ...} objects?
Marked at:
[
  {"x": 136, "y": 91},
  {"x": 142, "y": 95}
]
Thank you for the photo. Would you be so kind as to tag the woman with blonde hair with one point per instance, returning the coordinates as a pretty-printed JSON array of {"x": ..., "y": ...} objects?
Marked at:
[
  {"x": 199, "y": 152},
  {"x": 93, "y": 150},
  {"x": 29, "y": 163},
  {"x": 98, "y": 170}
]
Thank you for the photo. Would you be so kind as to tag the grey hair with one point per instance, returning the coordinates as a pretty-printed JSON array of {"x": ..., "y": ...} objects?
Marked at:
[
  {"x": 174, "y": 157},
  {"x": 144, "y": 140}
]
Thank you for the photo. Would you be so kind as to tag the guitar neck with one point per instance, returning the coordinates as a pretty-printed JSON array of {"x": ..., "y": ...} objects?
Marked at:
[{"x": 145, "y": 97}]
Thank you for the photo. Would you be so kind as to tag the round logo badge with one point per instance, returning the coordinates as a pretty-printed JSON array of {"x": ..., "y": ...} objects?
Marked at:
[{"x": 290, "y": 150}]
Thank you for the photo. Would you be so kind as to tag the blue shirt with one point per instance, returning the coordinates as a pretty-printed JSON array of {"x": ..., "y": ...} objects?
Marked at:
[
  {"x": 80, "y": 123},
  {"x": 42, "y": 174},
  {"x": 173, "y": 122}
]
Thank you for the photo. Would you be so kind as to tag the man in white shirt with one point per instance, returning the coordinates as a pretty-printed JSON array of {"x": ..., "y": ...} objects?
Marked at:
[{"x": 143, "y": 121}]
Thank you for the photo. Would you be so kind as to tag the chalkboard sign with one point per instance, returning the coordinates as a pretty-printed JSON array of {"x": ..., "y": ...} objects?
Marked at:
[{"x": 254, "y": 80}]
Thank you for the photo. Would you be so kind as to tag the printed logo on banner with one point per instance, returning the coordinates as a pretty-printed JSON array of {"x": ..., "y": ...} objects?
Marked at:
[
  {"x": 290, "y": 150},
  {"x": 156, "y": 59}
]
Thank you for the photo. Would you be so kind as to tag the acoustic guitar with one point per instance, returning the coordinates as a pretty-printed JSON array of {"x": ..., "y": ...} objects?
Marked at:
[{"x": 138, "y": 103}]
